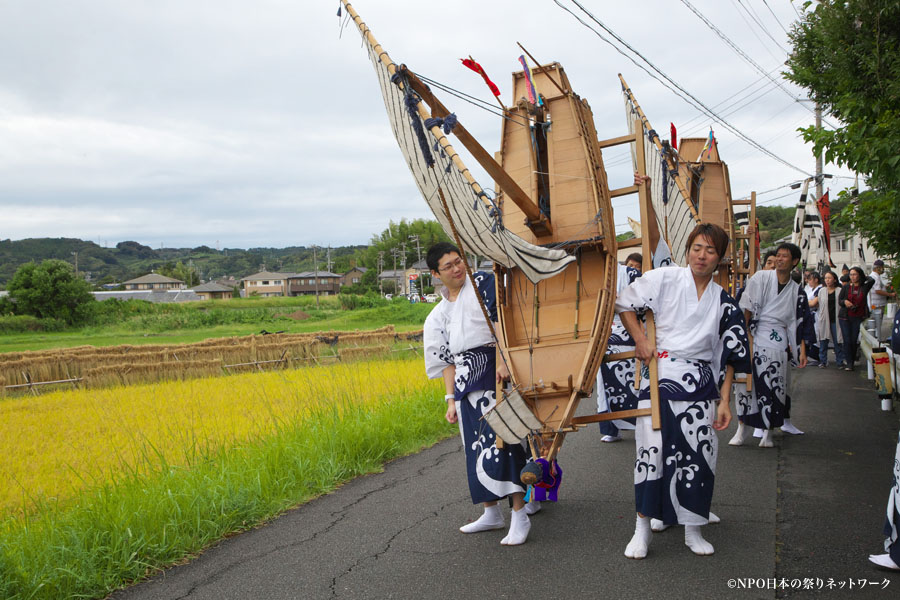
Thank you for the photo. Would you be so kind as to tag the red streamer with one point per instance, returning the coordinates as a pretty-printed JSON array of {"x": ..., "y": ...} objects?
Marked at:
[{"x": 478, "y": 69}]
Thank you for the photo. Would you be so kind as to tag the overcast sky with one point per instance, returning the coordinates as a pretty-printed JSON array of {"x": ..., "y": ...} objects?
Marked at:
[{"x": 244, "y": 123}]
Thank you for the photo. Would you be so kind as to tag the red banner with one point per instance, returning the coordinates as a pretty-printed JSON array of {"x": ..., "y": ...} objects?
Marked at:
[
  {"x": 824, "y": 207},
  {"x": 478, "y": 69},
  {"x": 674, "y": 135}
]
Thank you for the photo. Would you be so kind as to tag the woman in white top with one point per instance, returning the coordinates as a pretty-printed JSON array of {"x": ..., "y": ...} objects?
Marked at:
[{"x": 827, "y": 330}]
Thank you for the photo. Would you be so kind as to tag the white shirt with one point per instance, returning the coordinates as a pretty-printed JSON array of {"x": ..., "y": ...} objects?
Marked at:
[
  {"x": 877, "y": 300},
  {"x": 453, "y": 327},
  {"x": 686, "y": 327},
  {"x": 776, "y": 311}
]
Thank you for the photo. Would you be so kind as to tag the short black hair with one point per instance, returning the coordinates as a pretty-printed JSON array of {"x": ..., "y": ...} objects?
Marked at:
[
  {"x": 794, "y": 249},
  {"x": 767, "y": 255},
  {"x": 636, "y": 257},
  {"x": 796, "y": 276},
  {"x": 713, "y": 233},
  {"x": 815, "y": 275},
  {"x": 437, "y": 252}
]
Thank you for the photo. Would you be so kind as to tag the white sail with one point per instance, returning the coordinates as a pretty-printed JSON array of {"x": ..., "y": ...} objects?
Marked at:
[
  {"x": 474, "y": 216},
  {"x": 673, "y": 211}
]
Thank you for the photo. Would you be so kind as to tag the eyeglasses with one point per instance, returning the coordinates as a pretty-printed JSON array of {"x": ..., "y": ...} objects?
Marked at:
[{"x": 451, "y": 266}]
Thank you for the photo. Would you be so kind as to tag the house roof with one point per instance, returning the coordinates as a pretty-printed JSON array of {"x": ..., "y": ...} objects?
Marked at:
[
  {"x": 312, "y": 274},
  {"x": 360, "y": 269},
  {"x": 265, "y": 275},
  {"x": 153, "y": 278},
  {"x": 212, "y": 287}
]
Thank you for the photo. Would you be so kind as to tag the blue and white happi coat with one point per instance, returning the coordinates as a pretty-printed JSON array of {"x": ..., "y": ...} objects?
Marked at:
[
  {"x": 778, "y": 321},
  {"x": 615, "y": 380},
  {"x": 456, "y": 333},
  {"x": 674, "y": 471},
  {"x": 892, "y": 523}
]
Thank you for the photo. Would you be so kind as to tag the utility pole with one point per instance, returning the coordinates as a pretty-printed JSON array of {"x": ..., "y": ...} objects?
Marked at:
[
  {"x": 380, "y": 269},
  {"x": 316, "y": 272},
  {"x": 819, "y": 156},
  {"x": 403, "y": 269},
  {"x": 394, "y": 255},
  {"x": 328, "y": 262}
]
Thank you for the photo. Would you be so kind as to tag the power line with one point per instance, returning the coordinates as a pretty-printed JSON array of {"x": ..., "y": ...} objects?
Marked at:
[
  {"x": 746, "y": 56},
  {"x": 774, "y": 16},
  {"x": 696, "y": 103}
]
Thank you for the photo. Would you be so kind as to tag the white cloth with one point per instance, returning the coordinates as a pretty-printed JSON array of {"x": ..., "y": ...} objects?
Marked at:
[
  {"x": 877, "y": 300},
  {"x": 813, "y": 293},
  {"x": 823, "y": 322},
  {"x": 686, "y": 327},
  {"x": 775, "y": 313},
  {"x": 469, "y": 329}
]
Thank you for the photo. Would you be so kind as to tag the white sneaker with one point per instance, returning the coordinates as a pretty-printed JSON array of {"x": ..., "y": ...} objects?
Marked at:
[{"x": 611, "y": 438}]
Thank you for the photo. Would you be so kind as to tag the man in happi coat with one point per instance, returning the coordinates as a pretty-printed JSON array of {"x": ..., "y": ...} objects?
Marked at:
[
  {"x": 778, "y": 317},
  {"x": 700, "y": 342},
  {"x": 615, "y": 380},
  {"x": 460, "y": 348}
]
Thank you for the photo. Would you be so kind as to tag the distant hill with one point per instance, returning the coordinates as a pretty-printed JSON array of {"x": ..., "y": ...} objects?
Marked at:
[{"x": 129, "y": 259}]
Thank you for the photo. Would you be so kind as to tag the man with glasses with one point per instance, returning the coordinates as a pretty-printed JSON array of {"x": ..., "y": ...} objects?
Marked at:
[{"x": 460, "y": 348}]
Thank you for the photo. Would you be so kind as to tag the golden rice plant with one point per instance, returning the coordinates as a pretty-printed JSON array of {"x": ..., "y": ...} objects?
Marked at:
[{"x": 54, "y": 445}]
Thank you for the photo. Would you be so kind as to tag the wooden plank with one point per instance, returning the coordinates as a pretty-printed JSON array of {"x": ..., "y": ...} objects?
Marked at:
[
  {"x": 618, "y": 141},
  {"x": 632, "y": 189},
  {"x": 632, "y": 243},
  {"x": 610, "y": 416}
]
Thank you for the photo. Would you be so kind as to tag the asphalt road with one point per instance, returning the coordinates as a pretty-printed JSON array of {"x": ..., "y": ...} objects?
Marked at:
[{"x": 810, "y": 508}]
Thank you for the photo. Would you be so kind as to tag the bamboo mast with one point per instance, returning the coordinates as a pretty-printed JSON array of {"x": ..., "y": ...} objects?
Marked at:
[
  {"x": 646, "y": 122},
  {"x": 516, "y": 195}
]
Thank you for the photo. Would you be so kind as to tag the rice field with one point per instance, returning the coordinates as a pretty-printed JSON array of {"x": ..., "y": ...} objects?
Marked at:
[{"x": 99, "y": 487}]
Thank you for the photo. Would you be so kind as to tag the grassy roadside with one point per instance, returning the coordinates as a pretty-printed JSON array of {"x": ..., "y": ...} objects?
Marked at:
[{"x": 158, "y": 512}]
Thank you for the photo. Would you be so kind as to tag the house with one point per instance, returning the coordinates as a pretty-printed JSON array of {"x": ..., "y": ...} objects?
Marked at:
[
  {"x": 155, "y": 282},
  {"x": 213, "y": 291},
  {"x": 265, "y": 283},
  {"x": 401, "y": 284},
  {"x": 353, "y": 276},
  {"x": 323, "y": 283}
]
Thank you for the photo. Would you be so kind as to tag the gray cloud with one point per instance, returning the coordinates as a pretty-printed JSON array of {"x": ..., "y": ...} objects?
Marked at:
[{"x": 260, "y": 124}]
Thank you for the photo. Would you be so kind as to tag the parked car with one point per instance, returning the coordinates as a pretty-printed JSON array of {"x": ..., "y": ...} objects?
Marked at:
[
  {"x": 388, "y": 296},
  {"x": 431, "y": 298}
]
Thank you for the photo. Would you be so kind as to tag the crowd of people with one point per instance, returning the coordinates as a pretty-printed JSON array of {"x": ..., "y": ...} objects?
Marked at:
[{"x": 709, "y": 347}]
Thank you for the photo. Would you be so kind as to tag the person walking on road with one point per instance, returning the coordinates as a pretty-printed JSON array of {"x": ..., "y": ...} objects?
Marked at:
[
  {"x": 459, "y": 347},
  {"x": 827, "y": 330},
  {"x": 776, "y": 310},
  {"x": 700, "y": 332},
  {"x": 853, "y": 312},
  {"x": 879, "y": 296}
]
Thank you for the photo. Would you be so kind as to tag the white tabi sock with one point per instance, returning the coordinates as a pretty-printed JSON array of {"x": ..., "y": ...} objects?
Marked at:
[
  {"x": 694, "y": 540},
  {"x": 884, "y": 560},
  {"x": 532, "y": 507},
  {"x": 492, "y": 518},
  {"x": 713, "y": 518},
  {"x": 740, "y": 436},
  {"x": 519, "y": 526},
  {"x": 757, "y": 432},
  {"x": 640, "y": 541},
  {"x": 766, "y": 441},
  {"x": 789, "y": 427}
]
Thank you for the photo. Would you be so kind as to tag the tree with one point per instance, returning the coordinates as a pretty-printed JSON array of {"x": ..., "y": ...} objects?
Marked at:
[
  {"x": 847, "y": 54},
  {"x": 51, "y": 290}
]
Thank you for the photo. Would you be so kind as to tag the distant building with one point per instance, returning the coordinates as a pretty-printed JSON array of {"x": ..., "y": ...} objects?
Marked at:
[
  {"x": 154, "y": 281},
  {"x": 304, "y": 284},
  {"x": 353, "y": 276},
  {"x": 265, "y": 283},
  {"x": 213, "y": 291}
]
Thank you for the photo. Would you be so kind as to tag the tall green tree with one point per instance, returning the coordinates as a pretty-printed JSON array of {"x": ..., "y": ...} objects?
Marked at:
[
  {"x": 847, "y": 54},
  {"x": 51, "y": 290}
]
